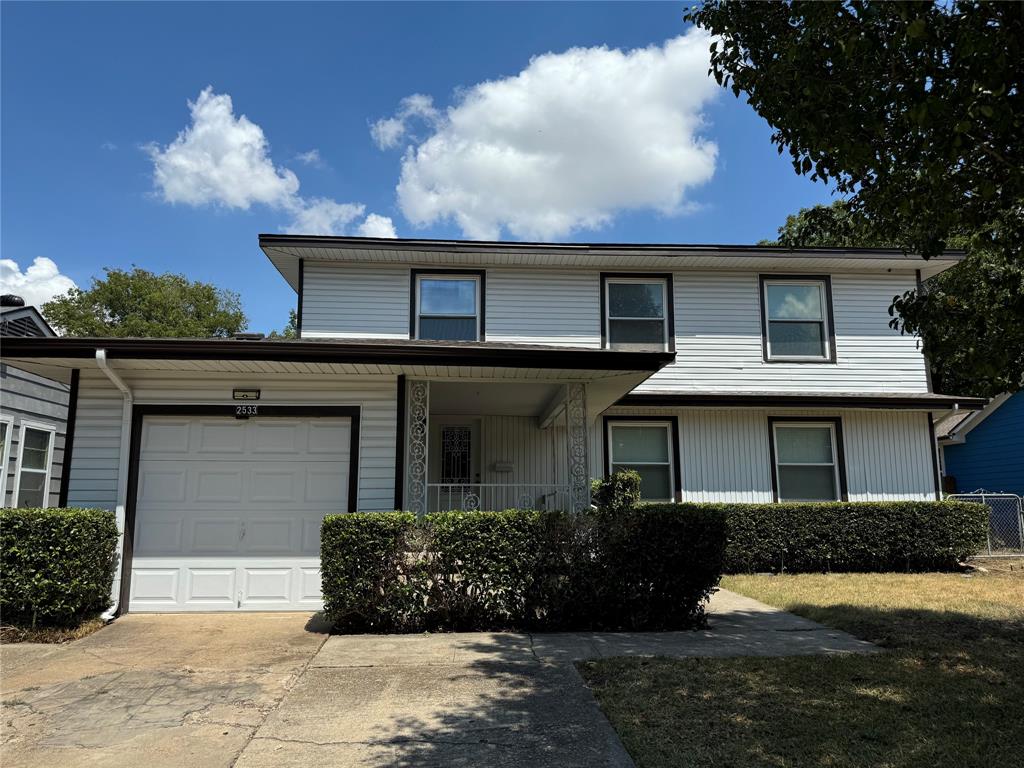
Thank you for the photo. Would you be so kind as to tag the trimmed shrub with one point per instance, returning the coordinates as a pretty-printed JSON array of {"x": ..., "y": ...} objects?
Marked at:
[
  {"x": 618, "y": 492},
  {"x": 853, "y": 536},
  {"x": 368, "y": 579},
  {"x": 58, "y": 565},
  {"x": 521, "y": 569}
]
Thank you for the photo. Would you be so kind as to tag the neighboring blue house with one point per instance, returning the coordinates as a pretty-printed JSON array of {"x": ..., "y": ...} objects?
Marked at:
[{"x": 984, "y": 449}]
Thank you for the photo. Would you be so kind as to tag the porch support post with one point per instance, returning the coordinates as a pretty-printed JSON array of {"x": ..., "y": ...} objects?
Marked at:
[
  {"x": 417, "y": 443},
  {"x": 576, "y": 448}
]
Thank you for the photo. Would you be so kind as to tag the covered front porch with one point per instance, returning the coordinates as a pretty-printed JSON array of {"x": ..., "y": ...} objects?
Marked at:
[{"x": 500, "y": 443}]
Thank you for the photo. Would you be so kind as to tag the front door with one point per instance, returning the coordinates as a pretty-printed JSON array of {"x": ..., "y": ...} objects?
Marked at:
[{"x": 455, "y": 464}]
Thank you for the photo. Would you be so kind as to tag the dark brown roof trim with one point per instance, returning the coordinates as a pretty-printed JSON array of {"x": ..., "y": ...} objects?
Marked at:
[
  {"x": 394, "y": 353},
  {"x": 811, "y": 400},
  {"x": 667, "y": 249}
]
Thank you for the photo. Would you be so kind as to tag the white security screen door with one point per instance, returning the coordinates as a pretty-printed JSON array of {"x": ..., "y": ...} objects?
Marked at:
[{"x": 228, "y": 511}]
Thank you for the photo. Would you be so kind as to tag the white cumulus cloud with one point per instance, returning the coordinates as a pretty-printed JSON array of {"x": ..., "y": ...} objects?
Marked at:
[
  {"x": 224, "y": 160},
  {"x": 564, "y": 145},
  {"x": 376, "y": 226},
  {"x": 38, "y": 284}
]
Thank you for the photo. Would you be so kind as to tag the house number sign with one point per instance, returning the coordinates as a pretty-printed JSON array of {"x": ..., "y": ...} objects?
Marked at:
[{"x": 245, "y": 411}]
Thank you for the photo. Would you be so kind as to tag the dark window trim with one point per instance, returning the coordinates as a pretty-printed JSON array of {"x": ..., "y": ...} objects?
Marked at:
[
  {"x": 677, "y": 477},
  {"x": 69, "y": 439},
  {"x": 414, "y": 276},
  {"x": 670, "y": 314},
  {"x": 837, "y": 423},
  {"x": 298, "y": 307},
  {"x": 936, "y": 472},
  {"x": 400, "y": 406},
  {"x": 139, "y": 412},
  {"x": 762, "y": 279}
]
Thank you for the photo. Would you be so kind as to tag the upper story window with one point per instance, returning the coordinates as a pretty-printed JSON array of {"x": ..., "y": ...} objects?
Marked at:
[
  {"x": 808, "y": 466},
  {"x": 796, "y": 319},
  {"x": 448, "y": 306},
  {"x": 32, "y": 477},
  {"x": 637, "y": 312}
]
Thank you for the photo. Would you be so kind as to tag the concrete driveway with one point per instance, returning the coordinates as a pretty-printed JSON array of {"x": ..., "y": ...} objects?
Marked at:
[
  {"x": 152, "y": 690},
  {"x": 260, "y": 690}
]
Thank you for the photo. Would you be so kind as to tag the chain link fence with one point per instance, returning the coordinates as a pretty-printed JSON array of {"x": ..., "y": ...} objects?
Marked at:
[{"x": 1005, "y": 522}]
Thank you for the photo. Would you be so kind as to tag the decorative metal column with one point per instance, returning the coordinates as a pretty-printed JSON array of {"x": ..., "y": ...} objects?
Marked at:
[
  {"x": 416, "y": 463},
  {"x": 576, "y": 437}
]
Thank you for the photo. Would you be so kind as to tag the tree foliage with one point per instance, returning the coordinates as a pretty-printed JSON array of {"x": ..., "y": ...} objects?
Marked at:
[
  {"x": 914, "y": 112},
  {"x": 140, "y": 303},
  {"x": 290, "y": 330}
]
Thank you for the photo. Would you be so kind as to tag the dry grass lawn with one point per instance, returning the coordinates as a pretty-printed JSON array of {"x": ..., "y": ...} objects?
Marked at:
[
  {"x": 14, "y": 634},
  {"x": 949, "y": 691}
]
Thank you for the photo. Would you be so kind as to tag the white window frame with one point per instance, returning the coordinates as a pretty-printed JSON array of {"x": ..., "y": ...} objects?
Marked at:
[
  {"x": 671, "y": 451},
  {"x": 824, "y": 299},
  {"x": 833, "y": 437},
  {"x": 5, "y": 458},
  {"x": 639, "y": 279},
  {"x": 39, "y": 427},
  {"x": 447, "y": 276}
]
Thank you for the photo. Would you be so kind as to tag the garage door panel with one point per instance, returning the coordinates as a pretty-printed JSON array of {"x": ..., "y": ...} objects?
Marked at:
[
  {"x": 215, "y": 534},
  {"x": 155, "y": 586},
  {"x": 228, "y": 512},
  {"x": 211, "y": 586},
  {"x": 219, "y": 486}
]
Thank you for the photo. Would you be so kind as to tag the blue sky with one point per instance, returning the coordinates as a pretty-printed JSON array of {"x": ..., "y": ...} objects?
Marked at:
[{"x": 588, "y": 145}]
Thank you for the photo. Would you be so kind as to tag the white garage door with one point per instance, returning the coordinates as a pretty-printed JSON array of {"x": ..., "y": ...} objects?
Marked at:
[{"x": 228, "y": 511}]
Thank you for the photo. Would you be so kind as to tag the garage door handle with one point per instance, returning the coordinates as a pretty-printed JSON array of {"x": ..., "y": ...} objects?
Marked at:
[{"x": 241, "y": 533}]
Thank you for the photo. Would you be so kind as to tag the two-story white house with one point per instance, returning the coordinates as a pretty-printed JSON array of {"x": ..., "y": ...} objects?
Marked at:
[{"x": 449, "y": 374}]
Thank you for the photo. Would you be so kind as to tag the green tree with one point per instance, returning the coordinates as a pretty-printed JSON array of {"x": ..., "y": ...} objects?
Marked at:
[
  {"x": 143, "y": 304},
  {"x": 291, "y": 329},
  {"x": 914, "y": 112}
]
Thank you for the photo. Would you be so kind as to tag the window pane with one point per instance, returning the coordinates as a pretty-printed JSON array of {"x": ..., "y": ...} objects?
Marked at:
[
  {"x": 645, "y": 332},
  {"x": 30, "y": 489},
  {"x": 794, "y": 302},
  {"x": 807, "y": 484},
  {"x": 639, "y": 444},
  {"x": 36, "y": 447},
  {"x": 3, "y": 437},
  {"x": 797, "y": 340},
  {"x": 447, "y": 297},
  {"x": 654, "y": 480},
  {"x": 635, "y": 300},
  {"x": 448, "y": 328},
  {"x": 803, "y": 445}
]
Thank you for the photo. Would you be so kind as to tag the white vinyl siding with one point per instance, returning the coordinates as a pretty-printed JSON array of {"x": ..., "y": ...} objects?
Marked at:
[
  {"x": 724, "y": 453},
  {"x": 93, "y": 481},
  {"x": 355, "y": 301},
  {"x": 717, "y": 324},
  {"x": 718, "y": 340}
]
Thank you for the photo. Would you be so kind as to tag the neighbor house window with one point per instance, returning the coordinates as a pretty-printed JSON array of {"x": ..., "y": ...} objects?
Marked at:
[
  {"x": 32, "y": 476},
  {"x": 795, "y": 316},
  {"x": 806, "y": 461},
  {"x": 644, "y": 446},
  {"x": 637, "y": 313},
  {"x": 5, "y": 457},
  {"x": 448, "y": 307}
]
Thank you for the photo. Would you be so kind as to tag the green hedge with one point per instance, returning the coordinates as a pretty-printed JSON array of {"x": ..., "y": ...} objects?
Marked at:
[
  {"x": 520, "y": 569},
  {"x": 58, "y": 564},
  {"x": 851, "y": 536}
]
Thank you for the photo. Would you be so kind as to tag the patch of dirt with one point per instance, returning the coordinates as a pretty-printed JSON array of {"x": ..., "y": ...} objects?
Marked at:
[{"x": 14, "y": 634}]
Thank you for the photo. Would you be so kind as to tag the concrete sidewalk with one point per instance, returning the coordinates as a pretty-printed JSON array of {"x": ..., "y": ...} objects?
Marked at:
[{"x": 494, "y": 699}]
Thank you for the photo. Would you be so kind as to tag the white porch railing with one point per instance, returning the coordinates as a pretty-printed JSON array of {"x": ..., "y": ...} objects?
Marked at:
[{"x": 442, "y": 497}]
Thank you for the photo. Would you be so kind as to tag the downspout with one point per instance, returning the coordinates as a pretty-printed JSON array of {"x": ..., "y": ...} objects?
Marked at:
[{"x": 122, "y": 471}]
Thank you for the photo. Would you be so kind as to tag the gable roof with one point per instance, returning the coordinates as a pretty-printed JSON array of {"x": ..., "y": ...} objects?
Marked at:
[
  {"x": 286, "y": 251},
  {"x": 953, "y": 427},
  {"x": 19, "y": 322}
]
